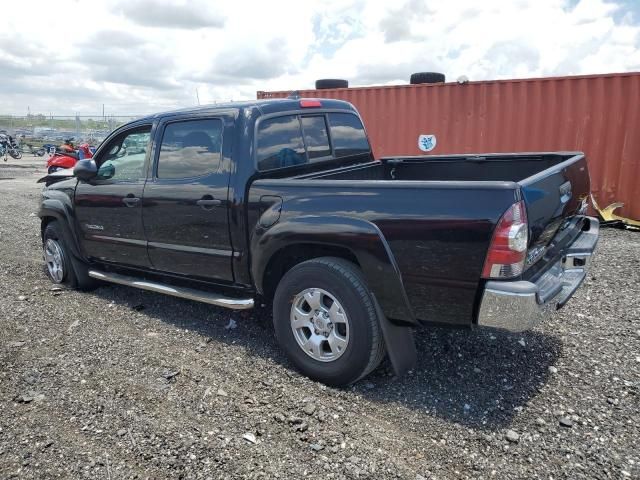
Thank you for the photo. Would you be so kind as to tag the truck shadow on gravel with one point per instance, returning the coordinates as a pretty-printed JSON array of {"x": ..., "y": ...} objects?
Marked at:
[{"x": 477, "y": 378}]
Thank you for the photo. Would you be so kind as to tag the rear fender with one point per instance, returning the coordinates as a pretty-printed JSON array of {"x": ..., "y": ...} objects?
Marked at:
[{"x": 364, "y": 239}]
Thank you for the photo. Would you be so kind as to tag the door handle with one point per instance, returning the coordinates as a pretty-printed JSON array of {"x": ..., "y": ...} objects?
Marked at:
[
  {"x": 130, "y": 200},
  {"x": 208, "y": 202}
]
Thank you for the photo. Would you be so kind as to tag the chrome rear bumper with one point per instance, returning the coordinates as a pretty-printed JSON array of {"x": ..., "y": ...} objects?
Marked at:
[{"x": 520, "y": 305}]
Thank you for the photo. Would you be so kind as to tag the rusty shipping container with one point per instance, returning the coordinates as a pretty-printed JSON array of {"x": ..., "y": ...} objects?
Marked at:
[{"x": 596, "y": 114}]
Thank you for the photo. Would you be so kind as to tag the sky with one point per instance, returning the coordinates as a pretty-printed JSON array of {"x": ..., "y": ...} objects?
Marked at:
[{"x": 141, "y": 56}]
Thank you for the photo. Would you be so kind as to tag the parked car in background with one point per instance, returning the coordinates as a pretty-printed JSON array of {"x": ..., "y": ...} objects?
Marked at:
[{"x": 283, "y": 200}]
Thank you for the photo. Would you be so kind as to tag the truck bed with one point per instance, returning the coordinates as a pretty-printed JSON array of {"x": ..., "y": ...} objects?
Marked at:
[
  {"x": 486, "y": 167},
  {"x": 554, "y": 185}
]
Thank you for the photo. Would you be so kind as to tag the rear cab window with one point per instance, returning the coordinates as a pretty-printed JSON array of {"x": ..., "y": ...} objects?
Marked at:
[
  {"x": 348, "y": 135},
  {"x": 316, "y": 138},
  {"x": 280, "y": 143},
  {"x": 298, "y": 139}
]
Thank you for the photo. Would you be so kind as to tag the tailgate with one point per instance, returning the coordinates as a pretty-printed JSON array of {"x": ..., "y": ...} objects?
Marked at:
[{"x": 555, "y": 199}]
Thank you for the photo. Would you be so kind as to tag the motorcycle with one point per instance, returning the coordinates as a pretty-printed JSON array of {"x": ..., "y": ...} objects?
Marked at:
[
  {"x": 36, "y": 152},
  {"x": 8, "y": 145},
  {"x": 67, "y": 157}
]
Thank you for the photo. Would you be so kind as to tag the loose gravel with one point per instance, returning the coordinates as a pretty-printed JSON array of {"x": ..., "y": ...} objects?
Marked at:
[{"x": 121, "y": 383}]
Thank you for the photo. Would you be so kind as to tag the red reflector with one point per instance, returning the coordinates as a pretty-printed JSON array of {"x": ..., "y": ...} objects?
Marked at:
[{"x": 310, "y": 103}]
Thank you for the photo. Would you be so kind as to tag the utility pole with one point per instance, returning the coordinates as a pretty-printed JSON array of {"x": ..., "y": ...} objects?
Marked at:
[{"x": 197, "y": 96}]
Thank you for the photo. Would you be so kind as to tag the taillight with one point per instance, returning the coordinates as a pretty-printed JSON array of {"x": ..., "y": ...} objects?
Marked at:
[{"x": 508, "y": 249}]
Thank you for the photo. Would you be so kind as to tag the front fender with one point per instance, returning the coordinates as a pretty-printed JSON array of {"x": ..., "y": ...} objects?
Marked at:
[
  {"x": 57, "y": 205},
  {"x": 364, "y": 239}
]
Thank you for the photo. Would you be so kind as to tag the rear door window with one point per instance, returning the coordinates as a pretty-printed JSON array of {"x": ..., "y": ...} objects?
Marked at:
[
  {"x": 316, "y": 138},
  {"x": 190, "y": 148},
  {"x": 280, "y": 143},
  {"x": 347, "y": 134}
]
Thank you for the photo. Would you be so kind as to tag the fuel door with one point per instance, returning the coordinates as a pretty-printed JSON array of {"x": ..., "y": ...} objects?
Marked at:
[{"x": 270, "y": 208}]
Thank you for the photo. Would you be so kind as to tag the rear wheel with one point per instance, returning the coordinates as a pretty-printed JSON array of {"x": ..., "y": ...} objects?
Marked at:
[
  {"x": 326, "y": 322},
  {"x": 15, "y": 153}
]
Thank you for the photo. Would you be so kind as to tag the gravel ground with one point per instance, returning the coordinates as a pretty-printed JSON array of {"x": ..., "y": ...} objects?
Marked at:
[{"x": 120, "y": 383}]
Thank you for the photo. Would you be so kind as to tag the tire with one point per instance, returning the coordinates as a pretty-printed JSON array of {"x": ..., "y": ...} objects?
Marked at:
[
  {"x": 62, "y": 267},
  {"x": 426, "y": 77},
  {"x": 343, "y": 282},
  {"x": 15, "y": 153},
  {"x": 326, "y": 83}
]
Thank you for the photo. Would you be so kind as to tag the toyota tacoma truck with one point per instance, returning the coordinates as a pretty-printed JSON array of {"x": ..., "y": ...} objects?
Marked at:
[{"x": 282, "y": 201}]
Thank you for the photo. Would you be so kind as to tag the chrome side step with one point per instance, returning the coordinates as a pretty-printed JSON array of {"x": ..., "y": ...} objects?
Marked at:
[{"x": 182, "y": 292}]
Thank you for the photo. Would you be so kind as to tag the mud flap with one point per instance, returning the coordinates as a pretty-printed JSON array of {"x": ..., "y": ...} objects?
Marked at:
[{"x": 400, "y": 343}]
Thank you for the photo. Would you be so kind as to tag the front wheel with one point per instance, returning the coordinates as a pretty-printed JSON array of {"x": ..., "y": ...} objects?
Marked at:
[
  {"x": 326, "y": 321},
  {"x": 62, "y": 267}
]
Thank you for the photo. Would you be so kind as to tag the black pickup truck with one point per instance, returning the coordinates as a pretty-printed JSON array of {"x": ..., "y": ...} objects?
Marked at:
[{"x": 283, "y": 200}]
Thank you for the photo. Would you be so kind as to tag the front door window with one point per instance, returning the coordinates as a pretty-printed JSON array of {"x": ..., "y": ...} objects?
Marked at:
[{"x": 125, "y": 156}]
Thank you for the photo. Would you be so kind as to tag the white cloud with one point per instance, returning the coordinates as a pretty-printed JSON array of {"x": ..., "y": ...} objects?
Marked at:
[
  {"x": 141, "y": 56},
  {"x": 172, "y": 14}
]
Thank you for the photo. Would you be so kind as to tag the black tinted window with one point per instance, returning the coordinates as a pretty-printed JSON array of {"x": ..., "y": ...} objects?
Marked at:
[
  {"x": 190, "y": 149},
  {"x": 315, "y": 137},
  {"x": 347, "y": 134},
  {"x": 280, "y": 143}
]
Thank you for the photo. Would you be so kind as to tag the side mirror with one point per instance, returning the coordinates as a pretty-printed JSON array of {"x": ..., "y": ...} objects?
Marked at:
[
  {"x": 106, "y": 171},
  {"x": 85, "y": 170}
]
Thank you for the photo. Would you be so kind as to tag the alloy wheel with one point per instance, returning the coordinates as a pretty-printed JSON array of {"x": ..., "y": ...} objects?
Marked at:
[{"x": 320, "y": 324}]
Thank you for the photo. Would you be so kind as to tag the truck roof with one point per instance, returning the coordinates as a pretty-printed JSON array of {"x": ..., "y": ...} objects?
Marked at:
[{"x": 266, "y": 106}]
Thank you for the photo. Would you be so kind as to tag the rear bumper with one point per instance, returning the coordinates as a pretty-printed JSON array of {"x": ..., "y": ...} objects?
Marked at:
[{"x": 520, "y": 305}]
